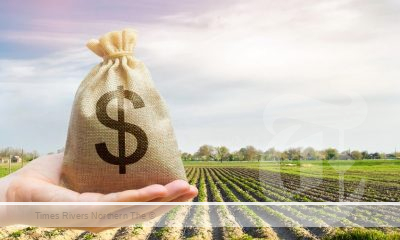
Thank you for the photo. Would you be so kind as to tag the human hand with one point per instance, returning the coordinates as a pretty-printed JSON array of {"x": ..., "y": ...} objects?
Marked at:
[{"x": 39, "y": 181}]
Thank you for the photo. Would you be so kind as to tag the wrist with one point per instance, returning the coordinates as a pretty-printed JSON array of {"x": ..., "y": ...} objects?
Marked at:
[
  {"x": 4, "y": 185},
  {"x": 3, "y": 188}
]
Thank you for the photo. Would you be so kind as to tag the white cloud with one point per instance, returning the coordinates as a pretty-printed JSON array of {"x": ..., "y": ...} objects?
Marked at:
[{"x": 218, "y": 69}]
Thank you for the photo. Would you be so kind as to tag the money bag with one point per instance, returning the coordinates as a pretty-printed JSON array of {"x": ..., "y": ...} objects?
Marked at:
[{"x": 120, "y": 135}]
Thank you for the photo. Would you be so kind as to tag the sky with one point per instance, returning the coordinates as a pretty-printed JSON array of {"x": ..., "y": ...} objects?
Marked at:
[{"x": 234, "y": 73}]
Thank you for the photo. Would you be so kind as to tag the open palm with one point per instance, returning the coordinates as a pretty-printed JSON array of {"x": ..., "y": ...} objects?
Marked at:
[{"x": 39, "y": 181}]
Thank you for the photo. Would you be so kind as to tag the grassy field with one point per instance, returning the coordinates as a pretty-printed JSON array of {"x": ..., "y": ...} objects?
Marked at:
[
  {"x": 372, "y": 170},
  {"x": 315, "y": 181},
  {"x": 4, "y": 168}
]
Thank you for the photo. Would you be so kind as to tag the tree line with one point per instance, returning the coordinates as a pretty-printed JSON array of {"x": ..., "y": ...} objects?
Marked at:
[
  {"x": 8, "y": 152},
  {"x": 250, "y": 153}
]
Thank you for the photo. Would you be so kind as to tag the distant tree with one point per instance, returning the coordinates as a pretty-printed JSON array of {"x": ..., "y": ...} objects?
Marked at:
[
  {"x": 260, "y": 156},
  {"x": 356, "y": 155},
  {"x": 242, "y": 155},
  {"x": 293, "y": 153},
  {"x": 29, "y": 156},
  {"x": 284, "y": 156},
  {"x": 365, "y": 155},
  {"x": 5, "y": 152},
  {"x": 320, "y": 155},
  {"x": 249, "y": 153},
  {"x": 375, "y": 155},
  {"x": 10, "y": 151},
  {"x": 309, "y": 154},
  {"x": 186, "y": 156},
  {"x": 222, "y": 153},
  {"x": 236, "y": 156},
  {"x": 35, "y": 154},
  {"x": 206, "y": 152},
  {"x": 345, "y": 155},
  {"x": 272, "y": 154},
  {"x": 23, "y": 154},
  {"x": 331, "y": 153}
]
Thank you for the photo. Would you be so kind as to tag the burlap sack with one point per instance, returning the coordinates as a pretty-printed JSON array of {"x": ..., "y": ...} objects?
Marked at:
[{"x": 120, "y": 135}]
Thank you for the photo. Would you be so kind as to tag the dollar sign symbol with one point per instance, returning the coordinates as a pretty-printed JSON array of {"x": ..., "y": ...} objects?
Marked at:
[{"x": 121, "y": 126}]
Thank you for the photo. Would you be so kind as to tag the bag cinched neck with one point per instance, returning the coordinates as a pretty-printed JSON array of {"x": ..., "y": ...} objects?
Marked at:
[{"x": 114, "y": 44}]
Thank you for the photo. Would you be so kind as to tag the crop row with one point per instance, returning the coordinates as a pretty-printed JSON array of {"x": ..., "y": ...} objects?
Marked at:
[
  {"x": 324, "y": 189},
  {"x": 298, "y": 193},
  {"x": 234, "y": 186},
  {"x": 294, "y": 226}
]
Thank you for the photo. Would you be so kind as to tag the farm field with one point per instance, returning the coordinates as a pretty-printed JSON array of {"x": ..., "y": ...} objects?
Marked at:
[
  {"x": 4, "y": 168},
  {"x": 306, "y": 181}
]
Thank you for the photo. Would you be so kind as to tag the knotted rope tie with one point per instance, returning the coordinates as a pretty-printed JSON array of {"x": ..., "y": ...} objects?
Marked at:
[{"x": 118, "y": 54}]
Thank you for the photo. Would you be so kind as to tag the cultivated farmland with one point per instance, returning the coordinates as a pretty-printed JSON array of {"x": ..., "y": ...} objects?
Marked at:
[{"x": 307, "y": 181}]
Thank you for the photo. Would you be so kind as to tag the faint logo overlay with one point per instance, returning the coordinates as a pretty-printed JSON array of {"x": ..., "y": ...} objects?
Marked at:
[
  {"x": 302, "y": 121},
  {"x": 341, "y": 116}
]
